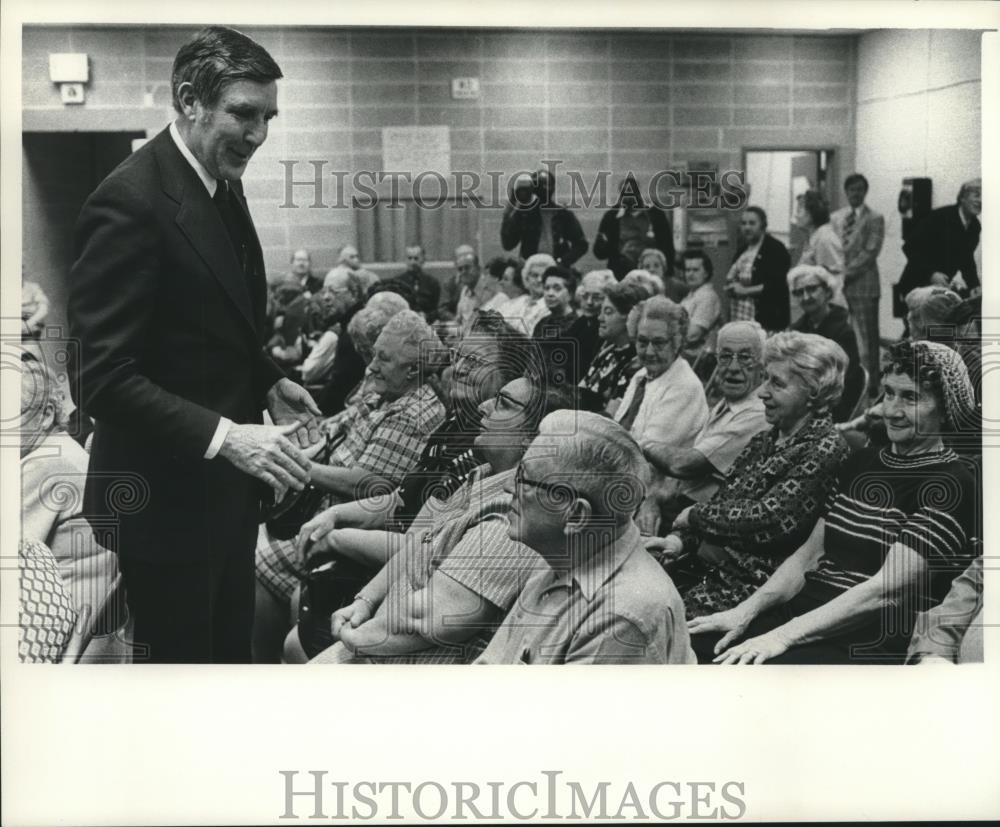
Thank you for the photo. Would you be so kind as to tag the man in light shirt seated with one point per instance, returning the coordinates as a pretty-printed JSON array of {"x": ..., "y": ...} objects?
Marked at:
[
  {"x": 601, "y": 598},
  {"x": 730, "y": 425},
  {"x": 665, "y": 402}
]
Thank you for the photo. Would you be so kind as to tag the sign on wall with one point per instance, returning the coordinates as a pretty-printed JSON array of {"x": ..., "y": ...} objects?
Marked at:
[{"x": 416, "y": 149}]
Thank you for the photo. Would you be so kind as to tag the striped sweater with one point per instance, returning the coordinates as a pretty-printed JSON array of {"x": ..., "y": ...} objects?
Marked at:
[{"x": 928, "y": 502}]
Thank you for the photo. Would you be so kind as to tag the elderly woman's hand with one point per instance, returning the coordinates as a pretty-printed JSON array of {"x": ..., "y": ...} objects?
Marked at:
[
  {"x": 739, "y": 290},
  {"x": 683, "y": 520},
  {"x": 315, "y": 530},
  {"x": 732, "y": 623},
  {"x": 939, "y": 279},
  {"x": 758, "y": 649},
  {"x": 668, "y": 548}
]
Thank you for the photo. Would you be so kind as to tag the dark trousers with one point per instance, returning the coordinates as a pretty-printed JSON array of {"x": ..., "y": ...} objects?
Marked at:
[{"x": 192, "y": 610}]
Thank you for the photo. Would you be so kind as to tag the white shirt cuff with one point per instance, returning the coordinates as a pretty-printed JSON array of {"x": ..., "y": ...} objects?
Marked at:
[{"x": 221, "y": 430}]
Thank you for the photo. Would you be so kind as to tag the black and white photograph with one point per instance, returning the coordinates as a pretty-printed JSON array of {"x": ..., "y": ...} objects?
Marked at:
[{"x": 620, "y": 337}]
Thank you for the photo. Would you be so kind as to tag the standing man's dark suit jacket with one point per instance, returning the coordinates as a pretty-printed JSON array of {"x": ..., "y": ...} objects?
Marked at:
[
  {"x": 170, "y": 329},
  {"x": 770, "y": 268},
  {"x": 941, "y": 244}
]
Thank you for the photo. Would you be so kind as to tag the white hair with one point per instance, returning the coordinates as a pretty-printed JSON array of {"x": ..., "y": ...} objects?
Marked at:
[
  {"x": 537, "y": 258},
  {"x": 817, "y": 362},
  {"x": 414, "y": 333},
  {"x": 746, "y": 325},
  {"x": 826, "y": 278}
]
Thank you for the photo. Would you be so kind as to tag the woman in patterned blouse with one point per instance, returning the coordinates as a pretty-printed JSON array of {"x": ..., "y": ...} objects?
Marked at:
[
  {"x": 607, "y": 378},
  {"x": 724, "y": 549},
  {"x": 901, "y": 526}
]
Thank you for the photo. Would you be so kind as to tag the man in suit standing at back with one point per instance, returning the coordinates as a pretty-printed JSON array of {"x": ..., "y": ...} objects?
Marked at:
[
  {"x": 861, "y": 231},
  {"x": 168, "y": 302}
]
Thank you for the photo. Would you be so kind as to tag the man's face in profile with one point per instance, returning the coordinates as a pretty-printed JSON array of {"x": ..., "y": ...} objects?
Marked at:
[{"x": 224, "y": 137}]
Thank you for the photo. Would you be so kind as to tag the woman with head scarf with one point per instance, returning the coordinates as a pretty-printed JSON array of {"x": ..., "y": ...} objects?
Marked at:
[{"x": 900, "y": 527}]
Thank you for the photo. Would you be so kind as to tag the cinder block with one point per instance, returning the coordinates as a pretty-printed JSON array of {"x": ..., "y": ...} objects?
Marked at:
[
  {"x": 633, "y": 93},
  {"x": 454, "y": 116},
  {"x": 751, "y": 47},
  {"x": 577, "y": 71},
  {"x": 501, "y": 94},
  {"x": 579, "y": 94},
  {"x": 383, "y": 71},
  {"x": 694, "y": 72},
  {"x": 316, "y": 71},
  {"x": 503, "y": 140},
  {"x": 702, "y": 116},
  {"x": 685, "y": 139},
  {"x": 377, "y": 94},
  {"x": 626, "y": 116},
  {"x": 822, "y": 72},
  {"x": 383, "y": 116},
  {"x": 514, "y": 71},
  {"x": 571, "y": 140},
  {"x": 703, "y": 95},
  {"x": 450, "y": 46},
  {"x": 822, "y": 94},
  {"x": 822, "y": 48},
  {"x": 746, "y": 94},
  {"x": 639, "y": 138},
  {"x": 816, "y": 115},
  {"x": 561, "y": 117},
  {"x": 687, "y": 47},
  {"x": 639, "y": 71},
  {"x": 379, "y": 45},
  {"x": 762, "y": 115}
]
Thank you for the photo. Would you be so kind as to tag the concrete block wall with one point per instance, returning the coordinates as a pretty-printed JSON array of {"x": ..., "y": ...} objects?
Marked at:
[
  {"x": 593, "y": 100},
  {"x": 919, "y": 114}
]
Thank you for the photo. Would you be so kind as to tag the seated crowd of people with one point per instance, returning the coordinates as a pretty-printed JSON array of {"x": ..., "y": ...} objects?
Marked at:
[{"x": 529, "y": 464}]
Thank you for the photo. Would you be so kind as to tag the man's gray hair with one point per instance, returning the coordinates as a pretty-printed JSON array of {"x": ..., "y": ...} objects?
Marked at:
[
  {"x": 598, "y": 458},
  {"x": 815, "y": 361},
  {"x": 746, "y": 326},
  {"x": 215, "y": 57},
  {"x": 351, "y": 281}
]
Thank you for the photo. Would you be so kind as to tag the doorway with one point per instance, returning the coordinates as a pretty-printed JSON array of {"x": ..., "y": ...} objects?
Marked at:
[
  {"x": 59, "y": 170},
  {"x": 777, "y": 177}
]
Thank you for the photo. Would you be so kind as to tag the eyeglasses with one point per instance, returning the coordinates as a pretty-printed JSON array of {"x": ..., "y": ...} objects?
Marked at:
[
  {"x": 799, "y": 292},
  {"x": 558, "y": 489},
  {"x": 743, "y": 358},
  {"x": 655, "y": 344},
  {"x": 470, "y": 361}
]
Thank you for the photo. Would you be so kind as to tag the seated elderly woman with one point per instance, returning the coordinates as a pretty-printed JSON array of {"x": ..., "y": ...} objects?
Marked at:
[
  {"x": 448, "y": 581},
  {"x": 814, "y": 287},
  {"x": 53, "y": 473},
  {"x": 608, "y": 376},
  {"x": 648, "y": 281},
  {"x": 665, "y": 401},
  {"x": 654, "y": 262},
  {"x": 585, "y": 328},
  {"x": 525, "y": 311},
  {"x": 722, "y": 550},
  {"x": 896, "y": 533},
  {"x": 936, "y": 314},
  {"x": 377, "y": 440}
]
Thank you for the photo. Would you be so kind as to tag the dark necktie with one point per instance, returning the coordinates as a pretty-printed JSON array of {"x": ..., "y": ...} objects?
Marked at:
[
  {"x": 235, "y": 228},
  {"x": 849, "y": 225},
  {"x": 633, "y": 409}
]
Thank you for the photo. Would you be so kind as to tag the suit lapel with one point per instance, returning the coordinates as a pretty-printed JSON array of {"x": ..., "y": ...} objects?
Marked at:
[{"x": 200, "y": 222}]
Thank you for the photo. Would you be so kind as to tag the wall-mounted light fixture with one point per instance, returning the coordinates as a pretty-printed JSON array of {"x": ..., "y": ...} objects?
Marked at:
[{"x": 71, "y": 72}]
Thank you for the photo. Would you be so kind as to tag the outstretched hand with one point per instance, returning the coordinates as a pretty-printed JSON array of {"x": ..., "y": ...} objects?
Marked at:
[
  {"x": 266, "y": 452},
  {"x": 289, "y": 402}
]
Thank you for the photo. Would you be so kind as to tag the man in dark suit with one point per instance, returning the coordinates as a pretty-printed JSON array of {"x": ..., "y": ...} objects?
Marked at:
[
  {"x": 168, "y": 300},
  {"x": 941, "y": 248}
]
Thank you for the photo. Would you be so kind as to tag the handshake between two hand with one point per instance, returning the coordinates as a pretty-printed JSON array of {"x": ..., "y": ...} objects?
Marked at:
[{"x": 279, "y": 455}]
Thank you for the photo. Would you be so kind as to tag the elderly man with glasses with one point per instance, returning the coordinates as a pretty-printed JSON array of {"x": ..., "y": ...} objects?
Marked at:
[
  {"x": 730, "y": 425},
  {"x": 600, "y": 597}
]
